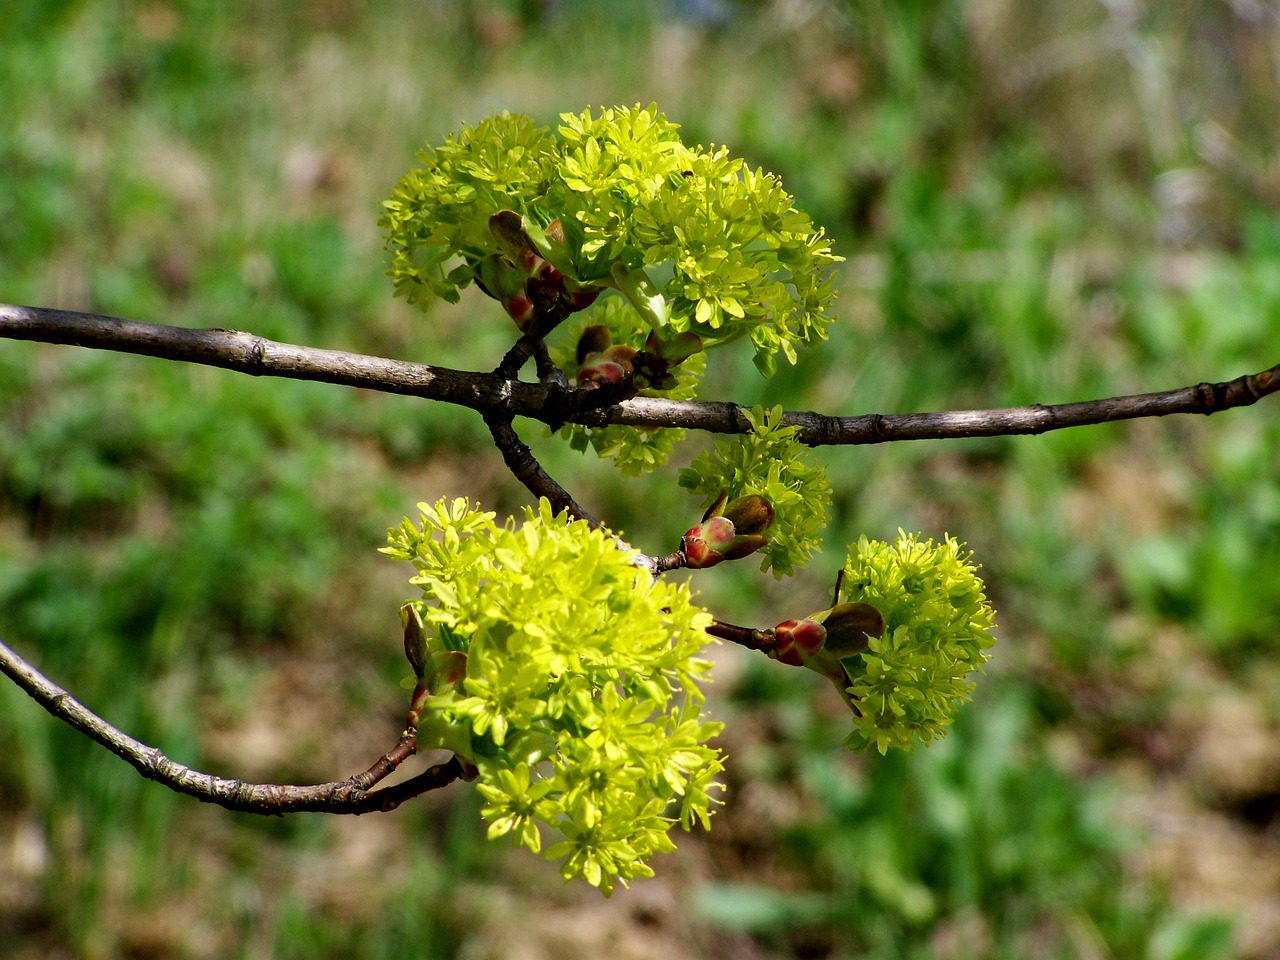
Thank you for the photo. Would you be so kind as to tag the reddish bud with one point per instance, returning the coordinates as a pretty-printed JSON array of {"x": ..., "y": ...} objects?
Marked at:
[
  {"x": 622, "y": 354},
  {"x": 706, "y": 544},
  {"x": 598, "y": 368},
  {"x": 583, "y": 297},
  {"x": 417, "y": 703},
  {"x": 520, "y": 309},
  {"x": 797, "y": 641},
  {"x": 608, "y": 365},
  {"x": 728, "y": 532}
]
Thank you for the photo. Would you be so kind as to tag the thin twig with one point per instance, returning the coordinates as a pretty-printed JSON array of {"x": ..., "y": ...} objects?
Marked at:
[
  {"x": 351, "y": 796},
  {"x": 553, "y": 404},
  {"x": 526, "y": 468},
  {"x": 748, "y": 637},
  {"x": 672, "y": 561}
]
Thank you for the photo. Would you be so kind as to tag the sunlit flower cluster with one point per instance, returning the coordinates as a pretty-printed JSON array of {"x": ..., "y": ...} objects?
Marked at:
[
  {"x": 579, "y": 705},
  {"x": 909, "y": 682},
  {"x": 693, "y": 238}
]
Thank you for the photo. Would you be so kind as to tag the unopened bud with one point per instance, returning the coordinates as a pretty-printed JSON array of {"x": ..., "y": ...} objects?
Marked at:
[
  {"x": 601, "y": 368},
  {"x": 797, "y": 641},
  {"x": 850, "y": 627},
  {"x": 415, "y": 638},
  {"x": 728, "y": 531},
  {"x": 751, "y": 514},
  {"x": 622, "y": 354},
  {"x": 416, "y": 705},
  {"x": 520, "y": 309},
  {"x": 707, "y": 543}
]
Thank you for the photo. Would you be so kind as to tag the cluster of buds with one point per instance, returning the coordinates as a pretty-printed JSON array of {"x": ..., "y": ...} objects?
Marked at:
[
  {"x": 600, "y": 360},
  {"x": 728, "y": 531},
  {"x": 521, "y": 277},
  {"x": 842, "y": 631},
  {"x": 824, "y": 641}
]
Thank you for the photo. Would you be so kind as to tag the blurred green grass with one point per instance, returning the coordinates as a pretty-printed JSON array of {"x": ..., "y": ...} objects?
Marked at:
[{"x": 1038, "y": 205}]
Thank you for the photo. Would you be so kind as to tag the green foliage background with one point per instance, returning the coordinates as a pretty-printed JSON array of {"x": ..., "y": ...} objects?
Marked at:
[{"x": 1038, "y": 202}]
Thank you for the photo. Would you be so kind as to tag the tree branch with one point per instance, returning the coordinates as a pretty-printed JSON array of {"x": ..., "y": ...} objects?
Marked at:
[
  {"x": 554, "y": 404},
  {"x": 352, "y": 796},
  {"x": 748, "y": 637},
  {"x": 526, "y": 468}
]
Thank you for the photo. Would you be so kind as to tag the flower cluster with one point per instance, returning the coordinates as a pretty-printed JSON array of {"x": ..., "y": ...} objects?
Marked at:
[
  {"x": 567, "y": 677},
  {"x": 561, "y": 673},
  {"x": 770, "y": 462},
  {"x": 696, "y": 241},
  {"x": 909, "y": 682}
]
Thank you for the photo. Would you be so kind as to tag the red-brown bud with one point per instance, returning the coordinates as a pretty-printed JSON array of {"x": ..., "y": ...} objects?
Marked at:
[
  {"x": 415, "y": 639},
  {"x": 520, "y": 309},
  {"x": 621, "y": 353},
  {"x": 728, "y": 531},
  {"x": 583, "y": 297},
  {"x": 609, "y": 365},
  {"x": 707, "y": 543},
  {"x": 598, "y": 368},
  {"x": 797, "y": 641},
  {"x": 417, "y": 702}
]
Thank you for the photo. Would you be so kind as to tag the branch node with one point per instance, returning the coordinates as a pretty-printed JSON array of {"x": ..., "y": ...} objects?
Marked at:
[{"x": 257, "y": 356}]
